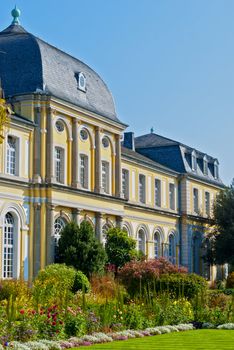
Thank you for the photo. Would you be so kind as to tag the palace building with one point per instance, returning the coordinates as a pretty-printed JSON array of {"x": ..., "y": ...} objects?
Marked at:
[{"x": 65, "y": 157}]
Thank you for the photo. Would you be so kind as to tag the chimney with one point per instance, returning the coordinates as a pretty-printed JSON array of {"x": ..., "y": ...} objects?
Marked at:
[{"x": 129, "y": 141}]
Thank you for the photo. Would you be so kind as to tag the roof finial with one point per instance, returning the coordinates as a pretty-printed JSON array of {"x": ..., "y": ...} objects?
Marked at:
[
  {"x": 152, "y": 130},
  {"x": 15, "y": 14}
]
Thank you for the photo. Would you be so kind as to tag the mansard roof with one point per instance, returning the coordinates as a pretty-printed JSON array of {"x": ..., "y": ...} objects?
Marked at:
[
  {"x": 30, "y": 65},
  {"x": 176, "y": 155}
]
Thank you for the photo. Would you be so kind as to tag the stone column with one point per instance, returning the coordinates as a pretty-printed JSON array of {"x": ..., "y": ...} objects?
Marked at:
[
  {"x": 98, "y": 166},
  {"x": 76, "y": 215},
  {"x": 75, "y": 154},
  {"x": 119, "y": 222},
  {"x": 50, "y": 234},
  {"x": 37, "y": 146},
  {"x": 98, "y": 226},
  {"x": 118, "y": 170},
  {"x": 50, "y": 146},
  {"x": 37, "y": 238}
]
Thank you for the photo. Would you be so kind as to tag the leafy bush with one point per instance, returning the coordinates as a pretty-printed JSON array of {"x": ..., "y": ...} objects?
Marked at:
[
  {"x": 14, "y": 289},
  {"x": 159, "y": 275},
  {"x": 53, "y": 284},
  {"x": 230, "y": 280},
  {"x": 120, "y": 248},
  {"x": 75, "y": 325},
  {"x": 81, "y": 282},
  {"x": 79, "y": 247}
]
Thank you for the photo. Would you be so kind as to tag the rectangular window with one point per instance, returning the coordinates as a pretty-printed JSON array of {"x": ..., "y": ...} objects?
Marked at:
[
  {"x": 105, "y": 176},
  {"x": 205, "y": 167},
  {"x": 157, "y": 192},
  {"x": 59, "y": 164},
  {"x": 84, "y": 171},
  {"x": 125, "y": 183},
  {"x": 195, "y": 201},
  {"x": 207, "y": 203},
  {"x": 172, "y": 196},
  {"x": 11, "y": 156},
  {"x": 142, "y": 188},
  {"x": 216, "y": 171}
]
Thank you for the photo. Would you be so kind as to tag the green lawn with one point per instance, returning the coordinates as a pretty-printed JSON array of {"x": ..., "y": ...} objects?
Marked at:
[{"x": 191, "y": 340}]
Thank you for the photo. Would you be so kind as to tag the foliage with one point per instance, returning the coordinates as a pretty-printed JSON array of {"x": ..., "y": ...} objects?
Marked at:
[
  {"x": 53, "y": 284},
  {"x": 106, "y": 287},
  {"x": 120, "y": 248},
  {"x": 230, "y": 280},
  {"x": 78, "y": 247},
  {"x": 223, "y": 244},
  {"x": 81, "y": 282},
  {"x": 75, "y": 324},
  {"x": 156, "y": 276},
  {"x": 5, "y": 112}
]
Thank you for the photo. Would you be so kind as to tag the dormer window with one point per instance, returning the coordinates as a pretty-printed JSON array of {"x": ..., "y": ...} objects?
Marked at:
[
  {"x": 216, "y": 170},
  {"x": 194, "y": 161},
  {"x": 81, "y": 81},
  {"x": 205, "y": 166}
]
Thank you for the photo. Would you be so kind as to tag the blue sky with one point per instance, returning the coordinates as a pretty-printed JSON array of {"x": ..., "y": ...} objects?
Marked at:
[{"x": 168, "y": 63}]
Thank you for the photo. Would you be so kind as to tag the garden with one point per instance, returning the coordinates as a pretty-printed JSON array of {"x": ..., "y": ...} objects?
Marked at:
[{"x": 102, "y": 295}]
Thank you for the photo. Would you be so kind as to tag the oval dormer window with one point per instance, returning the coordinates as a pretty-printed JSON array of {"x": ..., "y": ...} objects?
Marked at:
[{"x": 81, "y": 81}]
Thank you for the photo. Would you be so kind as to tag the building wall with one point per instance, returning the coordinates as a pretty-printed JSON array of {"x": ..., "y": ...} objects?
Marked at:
[{"x": 36, "y": 199}]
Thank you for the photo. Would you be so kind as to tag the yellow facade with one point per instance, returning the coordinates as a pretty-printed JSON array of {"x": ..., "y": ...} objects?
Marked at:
[{"x": 61, "y": 162}]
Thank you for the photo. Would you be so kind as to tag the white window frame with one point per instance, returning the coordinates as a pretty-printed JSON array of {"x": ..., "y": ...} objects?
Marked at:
[
  {"x": 60, "y": 180},
  {"x": 142, "y": 188},
  {"x": 157, "y": 245},
  {"x": 216, "y": 170},
  {"x": 172, "y": 192},
  {"x": 194, "y": 161},
  {"x": 141, "y": 241},
  {"x": 158, "y": 193},
  {"x": 196, "y": 200},
  {"x": 172, "y": 248},
  {"x": 84, "y": 167},
  {"x": 207, "y": 203},
  {"x": 106, "y": 185},
  {"x": 205, "y": 166},
  {"x": 17, "y": 156},
  {"x": 125, "y": 183},
  {"x": 16, "y": 245}
]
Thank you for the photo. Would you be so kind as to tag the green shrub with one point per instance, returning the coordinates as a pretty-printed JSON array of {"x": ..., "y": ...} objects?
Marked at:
[
  {"x": 230, "y": 280},
  {"x": 81, "y": 282},
  {"x": 53, "y": 285},
  {"x": 75, "y": 325}
]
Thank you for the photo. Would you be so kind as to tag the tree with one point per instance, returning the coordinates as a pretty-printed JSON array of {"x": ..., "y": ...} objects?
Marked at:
[
  {"x": 223, "y": 242},
  {"x": 119, "y": 247},
  {"x": 78, "y": 247}
]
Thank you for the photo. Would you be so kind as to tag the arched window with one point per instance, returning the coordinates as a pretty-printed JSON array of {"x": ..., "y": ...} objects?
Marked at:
[
  {"x": 126, "y": 229},
  {"x": 8, "y": 246},
  {"x": 157, "y": 245},
  {"x": 105, "y": 229},
  {"x": 196, "y": 253},
  {"x": 59, "y": 225},
  {"x": 172, "y": 257},
  {"x": 141, "y": 241}
]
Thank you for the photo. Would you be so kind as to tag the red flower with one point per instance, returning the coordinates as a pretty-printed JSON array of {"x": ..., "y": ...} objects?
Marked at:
[
  {"x": 22, "y": 312},
  {"x": 33, "y": 312},
  {"x": 53, "y": 323}
]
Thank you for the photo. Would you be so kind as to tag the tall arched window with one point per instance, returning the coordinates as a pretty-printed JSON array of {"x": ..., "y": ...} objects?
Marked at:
[
  {"x": 172, "y": 257},
  {"x": 196, "y": 253},
  {"x": 59, "y": 225},
  {"x": 157, "y": 245},
  {"x": 141, "y": 241},
  {"x": 8, "y": 247},
  {"x": 105, "y": 229}
]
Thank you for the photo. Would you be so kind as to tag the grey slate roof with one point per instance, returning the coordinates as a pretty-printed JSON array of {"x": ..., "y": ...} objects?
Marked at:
[
  {"x": 175, "y": 155},
  {"x": 28, "y": 65},
  {"x": 142, "y": 160}
]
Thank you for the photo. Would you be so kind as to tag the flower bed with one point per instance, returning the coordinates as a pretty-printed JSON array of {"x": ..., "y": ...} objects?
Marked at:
[{"x": 95, "y": 338}]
